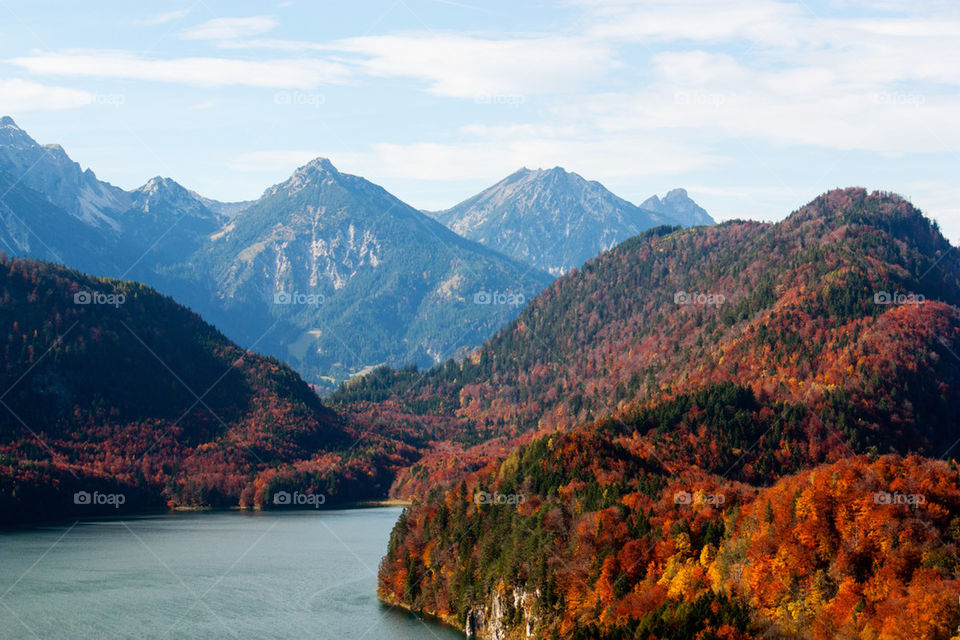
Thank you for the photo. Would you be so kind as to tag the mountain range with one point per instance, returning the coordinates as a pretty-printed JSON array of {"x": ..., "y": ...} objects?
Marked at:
[
  {"x": 556, "y": 220},
  {"x": 387, "y": 283},
  {"x": 55, "y": 210},
  {"x": 383, "y": 283}
]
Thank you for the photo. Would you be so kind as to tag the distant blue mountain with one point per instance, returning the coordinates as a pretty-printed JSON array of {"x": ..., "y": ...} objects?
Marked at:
[{"x": 556, "y": 220}]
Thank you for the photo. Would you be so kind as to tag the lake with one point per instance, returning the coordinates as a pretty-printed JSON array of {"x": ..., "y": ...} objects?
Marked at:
[{"x": 205, "y": 575}]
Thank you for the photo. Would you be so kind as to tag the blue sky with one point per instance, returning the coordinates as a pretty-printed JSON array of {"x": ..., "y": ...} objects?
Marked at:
[{"x": 755, "y": 106}]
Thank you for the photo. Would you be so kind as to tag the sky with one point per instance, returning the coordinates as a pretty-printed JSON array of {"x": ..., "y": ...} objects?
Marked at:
[{"x": 754, "y": 106}]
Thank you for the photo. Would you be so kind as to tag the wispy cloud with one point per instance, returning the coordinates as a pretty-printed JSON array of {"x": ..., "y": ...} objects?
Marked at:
[
  {"x": 495, "y": 156},
  {"x": 693, "y": 20},
  {"x": 230, "y": 28},
  {"x": 20, "y": 96},
  {"x": 463, "y": 66},
  {"x": 164, "y": 18},
  {"x": 468, "y": 67},
  {"x": 713, "y": 97},
  {"x": 207, "y": 72}
]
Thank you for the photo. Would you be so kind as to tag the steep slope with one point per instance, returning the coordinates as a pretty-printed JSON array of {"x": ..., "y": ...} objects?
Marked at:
[
  {"x": 110, "y": 387},
  {"x": 736, "y": 467},
  {"x": 797, "y": 312},
  {"x": 551, "y": 218},
  {"x": 159, "y": 234},
  {"x": 168, "y": 219},
  {"x": 354, "y": 277},
  {"x": 31, "y": 225},
  {"x": 678, "y": 206},
  {"x": 48, "y": 170}
]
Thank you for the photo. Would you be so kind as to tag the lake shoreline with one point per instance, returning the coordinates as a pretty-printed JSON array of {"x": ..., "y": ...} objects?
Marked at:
[
  {"x": 59, "y": 522},
  {"x": 450, "y": 622}
]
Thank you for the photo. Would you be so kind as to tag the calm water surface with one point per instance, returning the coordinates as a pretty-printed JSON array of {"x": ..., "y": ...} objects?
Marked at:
[{"x": 205, "y": 575}]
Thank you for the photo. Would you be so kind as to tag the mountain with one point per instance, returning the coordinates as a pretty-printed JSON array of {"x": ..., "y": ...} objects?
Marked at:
[
  {"x": 784, "y": 309},
  {"x": 678, "y": 206},
  {"x": 32, "y": 225},
  {"x": 163, "y": 227},
  {"x": 57, "y": 206},
  {"x": 554, "y": 219},
  {"x": 353, "y": 277},
  {"x": 385, "y": 283},
  {"x": 658, "y": 435},
  {"x": 162, "y": 204},
  {"x": 48, "y": 170},
  {"x": 112, "y": 389}
]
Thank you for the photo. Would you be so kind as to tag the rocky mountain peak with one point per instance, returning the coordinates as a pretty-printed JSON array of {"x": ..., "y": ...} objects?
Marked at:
[
  {"x": 13, "y": 136},
  {"x": 678, "y": 205}
]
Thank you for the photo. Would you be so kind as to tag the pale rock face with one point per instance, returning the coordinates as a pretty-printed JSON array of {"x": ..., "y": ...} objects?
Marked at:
[
  {"x": 18, "y": 234},
  {"x": 489, "y": 622}
]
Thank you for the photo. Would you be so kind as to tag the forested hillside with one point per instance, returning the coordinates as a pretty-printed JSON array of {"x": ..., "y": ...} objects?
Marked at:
[
  {"x": 847, "y": 308},
  {"x": 745, "y": 431},
  {"x": 108, "y": 386},
  {"x": 590, "y": 535}
]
